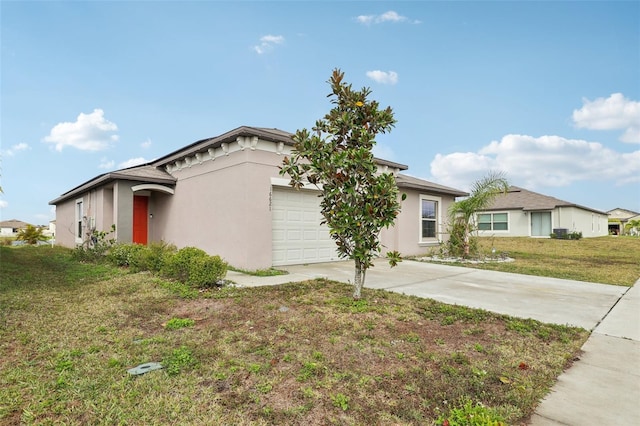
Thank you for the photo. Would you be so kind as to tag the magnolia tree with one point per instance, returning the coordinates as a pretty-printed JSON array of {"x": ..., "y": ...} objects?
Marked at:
[{"x": 357, "y": 201}]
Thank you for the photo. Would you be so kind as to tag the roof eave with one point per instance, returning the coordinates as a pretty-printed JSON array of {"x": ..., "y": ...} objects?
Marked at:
[
  {"x": 273, "y": 135},
  {"x": 391, "y": 164},
  {"x": 430, "y": 189},
  {"x": 105, "y": 179}
]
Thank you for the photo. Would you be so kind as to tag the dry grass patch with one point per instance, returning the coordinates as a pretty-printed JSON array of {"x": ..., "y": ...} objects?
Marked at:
[{"x": 299, "y": 353}]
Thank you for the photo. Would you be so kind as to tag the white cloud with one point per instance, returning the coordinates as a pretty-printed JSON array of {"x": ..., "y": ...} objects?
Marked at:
[
  {"x": 267, "y": 43},
  {"x": 390, "y": 16},
  {"x": 538, "y": 162},
  {"x": 15, "y": 149},
  {"x": 3, "y": 204},
  {"x": 106, "y": 164},
  {"x": 383, "y": 77},
  {"x": 146, "y": 144},
  {"x": 613, "y": 113},
  {"x": 90, "y": 132},
  {"x": 132, "y": 162}
]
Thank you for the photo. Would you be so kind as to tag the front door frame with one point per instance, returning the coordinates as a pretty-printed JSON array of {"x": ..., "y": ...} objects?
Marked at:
[{"x": 140, "y": 232}]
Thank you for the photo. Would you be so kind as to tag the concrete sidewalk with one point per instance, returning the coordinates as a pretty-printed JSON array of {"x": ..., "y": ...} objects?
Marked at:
[{"x": 603, "y": 387}]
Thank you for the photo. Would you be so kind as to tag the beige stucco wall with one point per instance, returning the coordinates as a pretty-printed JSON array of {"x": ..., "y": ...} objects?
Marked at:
[
  {"x": 101, "y": 211},
  {"x": 105, "y": 213},
  {"x": 221, "y": 206},
  {"x": 123, "y": 210},
  {"x": 65, "y": 217},
  {"x": 405, "y": 235}
]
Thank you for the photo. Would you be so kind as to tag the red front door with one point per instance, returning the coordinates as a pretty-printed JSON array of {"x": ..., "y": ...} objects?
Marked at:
[{"x": 140, "y": 219}]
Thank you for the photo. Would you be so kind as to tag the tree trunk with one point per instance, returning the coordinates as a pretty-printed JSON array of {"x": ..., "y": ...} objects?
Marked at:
[
  {"x": 466, "y": 245},
  {"x": 358, "y": 281}
]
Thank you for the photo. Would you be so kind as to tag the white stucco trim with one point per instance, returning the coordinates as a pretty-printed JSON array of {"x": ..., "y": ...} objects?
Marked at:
[
  {"x": 276, "y": 181},
  {"x": 152, "y": 187},
  {"x": 79, "y": 219},
  {"x": 242, "y": 143},
  {"x": 424, "y": 242},
  {"x": 494, "y": 231}
]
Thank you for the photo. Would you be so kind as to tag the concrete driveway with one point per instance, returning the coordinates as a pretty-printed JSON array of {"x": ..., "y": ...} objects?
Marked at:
[{"x": 546, "y": 299}]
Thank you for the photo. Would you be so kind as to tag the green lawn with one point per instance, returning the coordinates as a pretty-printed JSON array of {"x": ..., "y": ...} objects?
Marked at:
[
  {"x": 607, "y": 260},
  {"x": 301, "y": 353}
]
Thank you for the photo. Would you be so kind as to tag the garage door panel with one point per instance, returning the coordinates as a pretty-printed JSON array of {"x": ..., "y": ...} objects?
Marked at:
[
  {"x": 293, "y": 236},
  {"x": 311, "y": 216},
  {"x": 294, "y": 216},
  {"x": 310, "y": 235},
  {"x": 298, "y": 236}
]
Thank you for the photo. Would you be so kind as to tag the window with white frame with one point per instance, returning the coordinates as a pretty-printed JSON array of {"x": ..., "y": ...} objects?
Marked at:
[
  {"x": 429, "y": 217},
  {"x": 79, "y": 217},
  {"x": 493, "y": 222}
]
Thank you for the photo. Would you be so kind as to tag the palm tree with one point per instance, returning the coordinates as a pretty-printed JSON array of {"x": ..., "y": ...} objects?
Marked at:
[
  {"x": 632, "y": 227},
  {"x": 462, "y": 213},
  {"x": 32, "y": 235}
]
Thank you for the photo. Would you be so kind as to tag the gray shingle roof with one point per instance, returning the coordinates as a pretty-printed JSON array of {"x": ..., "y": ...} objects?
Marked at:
[
  {"x": 522, "y": 199},
  {"x": 274, "y": 135},
  {"x": 264, "y": 133},
  {"x": 143, "y": 173},
  {"x": 13, "y": 223},
  {"x": 154, "y": 172},
  {"x": 410, "y": 182}
]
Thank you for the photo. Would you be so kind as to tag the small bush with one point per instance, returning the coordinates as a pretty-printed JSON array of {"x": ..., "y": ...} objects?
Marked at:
[
  {"x": 194, "y": 267},
  {"x": 205, "y": 272},
  {"x": 570, "y": 236},
  {"x": 178, "y": 264},
  {"x": 454, "y": 246},
  {"x": 95, "y": 246},
  {"x": 154, "y": 256},
  {"x": 125, "y": 254}
]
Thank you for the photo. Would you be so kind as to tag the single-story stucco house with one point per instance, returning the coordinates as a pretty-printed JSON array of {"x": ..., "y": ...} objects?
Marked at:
[
  {"x": 618, "y": 219},
  {"x": 523, "y": 213},
  {"x": 225, "y": 195},
  {"x": 10, "y": 228}
]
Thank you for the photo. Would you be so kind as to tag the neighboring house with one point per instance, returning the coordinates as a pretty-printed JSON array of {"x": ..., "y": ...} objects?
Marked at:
[
  {"x": 10, "y": 228},
  {"x": 618, "y": 219},
  {"x": 51, "y": 230},
  {"x": 523, "y": 213},
  {"x": 225, "y": 195}
]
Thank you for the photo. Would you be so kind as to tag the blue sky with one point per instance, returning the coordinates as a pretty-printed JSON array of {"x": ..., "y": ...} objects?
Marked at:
[{"x": 548, "y": 92}]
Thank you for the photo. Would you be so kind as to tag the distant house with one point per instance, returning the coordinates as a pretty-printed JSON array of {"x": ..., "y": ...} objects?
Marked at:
[
  {"x": 10, "y": 228},
  {"x": 618, "y": 219},
  {"x": 225, "y": 195},
  {"x": 523, "y": 213},
  {"x": 51, "y": 230}
]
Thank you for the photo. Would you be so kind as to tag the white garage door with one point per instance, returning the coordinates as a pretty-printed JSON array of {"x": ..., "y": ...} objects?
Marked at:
[{"x": 298, "y": 237}]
